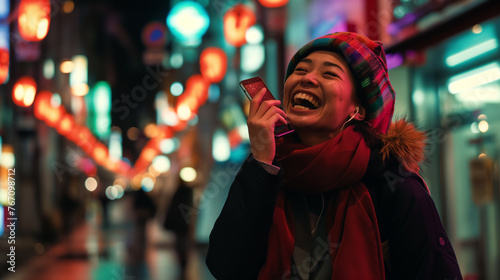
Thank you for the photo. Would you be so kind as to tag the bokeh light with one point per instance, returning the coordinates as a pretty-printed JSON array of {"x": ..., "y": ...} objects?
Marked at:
[
  {"x": 48, "y": 69},
  {"x": 483, "y": 126},
  {"x": 254, "y": 35},
  {"x": 176, "y": 89},
  {"x": 169, "y": 145},
  {"x": 111, "y": 193},
  {"x": 151, "y": 130},
  {"x": 161, "y": 163},
  {"x": 91, "y": 184},
  {"x": 188, "y": 174},
  {"x": 133, "y": 133},
  {"x": 147, "y": 183},
  {"x": 188, "y": 21},
  {"x": 221, "y": 150},
  {"x": 66, "y": 66}
]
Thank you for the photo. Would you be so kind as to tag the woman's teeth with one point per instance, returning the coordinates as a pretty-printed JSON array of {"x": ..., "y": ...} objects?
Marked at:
[
  {"x": 305, "y": 101},
  {"x": 301, "y": 107}
]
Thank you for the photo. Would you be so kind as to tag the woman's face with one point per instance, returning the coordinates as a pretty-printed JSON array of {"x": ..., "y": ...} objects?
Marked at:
[{"x": 318, "y": 94}]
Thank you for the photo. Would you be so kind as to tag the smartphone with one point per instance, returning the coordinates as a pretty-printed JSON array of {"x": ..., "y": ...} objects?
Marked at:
[{"x": 251, "y": 87}]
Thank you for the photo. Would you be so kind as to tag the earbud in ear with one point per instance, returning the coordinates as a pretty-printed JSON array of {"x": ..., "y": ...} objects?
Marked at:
[
  {"x": 355, "y": 113},
  {"x": 352, "y": 117}
]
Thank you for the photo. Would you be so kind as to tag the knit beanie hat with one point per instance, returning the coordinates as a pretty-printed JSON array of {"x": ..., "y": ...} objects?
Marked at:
[{"x": 366, "y": 60}]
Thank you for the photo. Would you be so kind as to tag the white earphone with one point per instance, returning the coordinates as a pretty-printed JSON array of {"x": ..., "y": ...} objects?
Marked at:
[{"x": 355, "y": 113}]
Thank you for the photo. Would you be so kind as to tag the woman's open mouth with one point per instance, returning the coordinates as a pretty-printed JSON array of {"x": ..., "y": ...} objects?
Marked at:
[{"x": 305, "y": 101}]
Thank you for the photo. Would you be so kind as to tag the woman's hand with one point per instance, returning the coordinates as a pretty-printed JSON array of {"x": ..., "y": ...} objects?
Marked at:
[{"x": 262, "y": 118}]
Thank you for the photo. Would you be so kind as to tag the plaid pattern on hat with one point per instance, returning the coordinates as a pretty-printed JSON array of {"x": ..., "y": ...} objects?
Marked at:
[{"x": 366, "y": 60}]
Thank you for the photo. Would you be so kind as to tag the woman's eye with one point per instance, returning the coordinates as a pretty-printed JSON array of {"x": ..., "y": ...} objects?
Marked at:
[
  {"x": 300, "y": 70},
  {"x": 331, "y": 74}
]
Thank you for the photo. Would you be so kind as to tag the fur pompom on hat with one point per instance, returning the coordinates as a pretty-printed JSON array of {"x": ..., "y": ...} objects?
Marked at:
[{"x": 366, "y": 60}]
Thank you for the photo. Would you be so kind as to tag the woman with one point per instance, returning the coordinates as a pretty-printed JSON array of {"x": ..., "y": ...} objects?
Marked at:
[{"x": 339, "y": 198}]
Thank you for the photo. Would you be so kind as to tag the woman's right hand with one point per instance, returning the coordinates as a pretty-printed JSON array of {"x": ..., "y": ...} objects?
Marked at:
[{"x": 262, "y": 118}]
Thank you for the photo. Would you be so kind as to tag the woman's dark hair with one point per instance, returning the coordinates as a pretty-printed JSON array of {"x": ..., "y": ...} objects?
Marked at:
[{"x": 372, "y": 137}]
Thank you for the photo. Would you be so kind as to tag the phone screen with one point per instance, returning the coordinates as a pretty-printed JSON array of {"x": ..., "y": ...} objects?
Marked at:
[{"x": 251, "y": 87}]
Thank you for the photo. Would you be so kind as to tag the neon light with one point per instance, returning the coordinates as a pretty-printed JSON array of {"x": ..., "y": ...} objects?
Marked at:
[
  {"x": 489, "y": 93},
  {"x": 252, "y": 57},
  {"x": 254, "y": 35},
  {"x": 48, "y": 69},
  {"x": 78, "y": 78},
  {"x": 8, "y": 157},
  {"x": 23, "y": 93},
  {"x": 471, "y": 52},
  {"x": 115, "y": 146},
  {"x": 4, "y": 53},
  {"x": 102, "y": 97},
  {"x": 188, "y": 22},
  {"x": 34, "y": 19},
  {"x": 4, "y": 8},
  {"x": 273, "y": 3},
  {"x": 221, "y": 150},
  {"x": 1, "y": 220},
  {"x": 474, "y": 78}
]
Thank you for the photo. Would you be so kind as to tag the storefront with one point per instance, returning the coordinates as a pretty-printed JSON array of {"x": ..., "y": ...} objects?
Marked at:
[{"x": 455, "y": 96}]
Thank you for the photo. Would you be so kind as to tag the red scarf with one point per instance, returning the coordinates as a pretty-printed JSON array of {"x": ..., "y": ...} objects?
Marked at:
[{"x": 337, "y": 164}]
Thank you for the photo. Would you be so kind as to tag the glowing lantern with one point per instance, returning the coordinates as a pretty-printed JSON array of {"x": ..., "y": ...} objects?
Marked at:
[
  {"x": 194, "y": 96},
  {"x": 149, "y": 154},
  {"x": 183, "y": 112},
  {"x": 199, "y": 87},
  {"x": 54, "y": 115},
  {"x": 273, "y": 3},
  {"x": 66, "y": 125},
  {"x": 4, "y": 65},
  {"x": 34, "y": 19},
  {"x": 213, "y": 64},
  {"x": 85, "y": 140},
  {"x": 42, "y": 104},
  {"x": 23, "y": 93},
  {"x": 236, "y": 22},
  {"x": 100, "y": 153}
]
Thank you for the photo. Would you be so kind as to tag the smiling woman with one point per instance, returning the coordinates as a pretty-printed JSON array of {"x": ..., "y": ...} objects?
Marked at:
[
  {"x": 318, "y": 95},
  {"x": 341, "y": 196}
]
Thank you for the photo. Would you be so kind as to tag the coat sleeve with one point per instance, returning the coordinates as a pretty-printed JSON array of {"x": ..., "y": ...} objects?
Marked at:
[
  {"x": 419, "y": 245},
  {"x": 238, "y": 241}
]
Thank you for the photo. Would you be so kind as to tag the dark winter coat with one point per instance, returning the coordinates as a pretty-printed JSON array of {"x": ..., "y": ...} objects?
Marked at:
[{"x": 414, "y": 240}]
